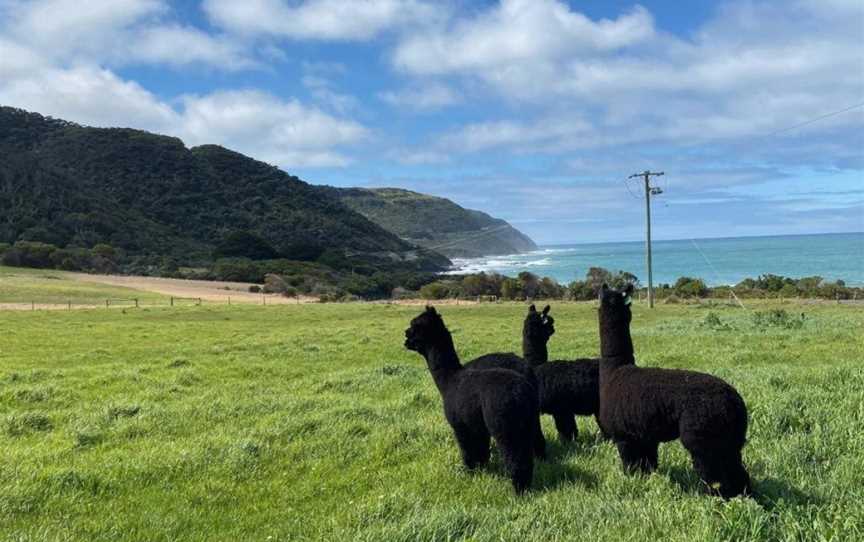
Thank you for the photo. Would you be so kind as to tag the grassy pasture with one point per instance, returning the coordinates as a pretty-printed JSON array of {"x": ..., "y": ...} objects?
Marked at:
[
  {"x": 314, "y": 423},
  {"x": 22, "y": 285}
]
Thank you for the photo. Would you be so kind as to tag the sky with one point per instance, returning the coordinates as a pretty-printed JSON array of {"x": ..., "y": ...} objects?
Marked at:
[{"x": 535, "y": 111}]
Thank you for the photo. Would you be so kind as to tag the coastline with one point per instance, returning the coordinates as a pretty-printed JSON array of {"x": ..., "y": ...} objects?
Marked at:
[{"x": 718, "y": 261}]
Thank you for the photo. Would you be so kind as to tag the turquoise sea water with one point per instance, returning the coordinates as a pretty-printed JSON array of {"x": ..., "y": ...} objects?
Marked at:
[{"x": 717, "y": 261}]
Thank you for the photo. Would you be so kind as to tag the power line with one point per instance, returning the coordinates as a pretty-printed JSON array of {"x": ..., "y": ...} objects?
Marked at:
[
  {"x": 627, "y": 184},
  {"x": 815, "y": 119},
  {"x": 716, "y": 274}
]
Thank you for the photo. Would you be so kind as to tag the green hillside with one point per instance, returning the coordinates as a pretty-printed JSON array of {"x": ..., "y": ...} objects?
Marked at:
[
  {"x": 436, "y": 223},
  {"x": 149, "y": 195}
]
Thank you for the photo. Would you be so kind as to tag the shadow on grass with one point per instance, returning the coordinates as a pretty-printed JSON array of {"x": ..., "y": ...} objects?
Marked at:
[
  {"x": 549, "y": 476},
  {"x": 550, "y": 473},
  {"x": 768, "y": 492},
  {"x": 771, "y": 492}
]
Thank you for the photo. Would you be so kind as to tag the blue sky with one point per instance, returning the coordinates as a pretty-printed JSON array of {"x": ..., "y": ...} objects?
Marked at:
[{"x": 532, "y": 110}]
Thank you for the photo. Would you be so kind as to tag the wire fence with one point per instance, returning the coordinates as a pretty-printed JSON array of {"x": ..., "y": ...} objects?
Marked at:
[{"x": 136, "y": 302}]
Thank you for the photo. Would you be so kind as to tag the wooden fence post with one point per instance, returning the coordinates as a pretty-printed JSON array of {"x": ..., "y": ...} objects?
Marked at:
[
  {"x": 69, "y": 305},
  {"x": 172, "y": 300},
  {"x": 106, "y": 303},
  {"x": 136, "y": 302}
]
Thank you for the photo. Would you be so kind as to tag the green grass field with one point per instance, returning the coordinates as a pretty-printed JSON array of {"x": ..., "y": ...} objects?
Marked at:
[
  {"x": 314, "y": 423},
  {"x": 22, "y": 285}
]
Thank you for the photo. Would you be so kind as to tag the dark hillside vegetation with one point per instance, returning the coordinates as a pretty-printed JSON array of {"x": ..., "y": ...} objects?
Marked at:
[
  {"x": 153, "y": 200},
  {"x": 435, "y": 223}
]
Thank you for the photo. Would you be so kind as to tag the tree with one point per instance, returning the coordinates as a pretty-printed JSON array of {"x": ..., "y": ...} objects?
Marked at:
[
  {"x": 435, "y": 290},
  {"x": 510, "y": 288},
  {"x": 528, "y": 284},
  {"x": 690, "y": 287},
  {"x": 243, "y": 244}
]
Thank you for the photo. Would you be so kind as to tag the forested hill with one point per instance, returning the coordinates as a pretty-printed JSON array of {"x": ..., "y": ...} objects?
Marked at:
[
  {"x": 147, "y": 194},
  {"x": 435, "y": 222}
]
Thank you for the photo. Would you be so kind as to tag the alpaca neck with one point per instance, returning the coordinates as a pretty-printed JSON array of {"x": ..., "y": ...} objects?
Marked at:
[
  {"x": 616, "y": 346},
  {"x": 534, "y": 354},
  {"x": 443, "y": 362}
]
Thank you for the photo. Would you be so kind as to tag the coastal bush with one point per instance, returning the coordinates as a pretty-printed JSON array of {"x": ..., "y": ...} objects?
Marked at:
[
  {"x": 690, "y": 287},
  {"x": 435, "y": 290}
]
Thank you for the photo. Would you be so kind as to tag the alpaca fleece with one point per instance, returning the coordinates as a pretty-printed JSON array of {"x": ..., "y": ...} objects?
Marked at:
[
  {"x": 479, "y": 404},
  {"x": 512, "y": 362},
  {"x": 567, "y": 388},
  {"x": 641, "y": 407}
]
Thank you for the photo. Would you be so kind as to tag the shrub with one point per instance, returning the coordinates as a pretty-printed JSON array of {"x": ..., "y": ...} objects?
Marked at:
[
  {"x": 29, "y": 254},
  {"x": 713, "y": 321},
  {"x": 255, "y": 289},
  {"x": 510, "y": 288},
  {"x": 274, "y": 284},
  {"x": 435, "y": 290},
  {"x": 777, "y": 318},
  {"x": 788, "y": 290},
  {"x": 238, "y": 269},
  {"x": 690, "y": 287},
  {"x": 403, "y": 293}
]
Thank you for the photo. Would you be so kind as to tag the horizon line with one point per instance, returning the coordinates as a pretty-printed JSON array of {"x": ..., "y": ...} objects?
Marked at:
[{"x": 702, "y": 238}]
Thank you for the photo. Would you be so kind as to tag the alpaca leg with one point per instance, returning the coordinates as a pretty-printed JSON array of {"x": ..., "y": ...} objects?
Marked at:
[
  {"x": 565, "y": 422},
  {"x": 603, "y": 434},
  {"x": 539, "y": 441},
  {"x": 637, "y": 456},
  {"x": 473, "y": 444},
  {"x": 518, "y": 461},
  {"x": 649, "y": 456}
]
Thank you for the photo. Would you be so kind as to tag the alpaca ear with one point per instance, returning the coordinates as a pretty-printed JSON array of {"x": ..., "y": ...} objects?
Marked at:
[
  {"x": 532, "y": 308},
  {"x": 430, "y": 309},
  {"x": 546, "y": 310},
  {"x": 603, "y": 290}
]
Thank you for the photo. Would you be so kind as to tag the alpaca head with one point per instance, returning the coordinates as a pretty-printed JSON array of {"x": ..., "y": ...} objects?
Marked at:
[
  {"x": 615, "y": 319},
  {"x": 426, "y": 330},
  {"x": 615, "y": 304},
  {"x": 536, "y": 330},
  {"x": 538, "y": 326}
]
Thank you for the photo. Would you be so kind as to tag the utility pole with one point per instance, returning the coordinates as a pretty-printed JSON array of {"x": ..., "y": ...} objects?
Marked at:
[{"x": 649, "y": 191}]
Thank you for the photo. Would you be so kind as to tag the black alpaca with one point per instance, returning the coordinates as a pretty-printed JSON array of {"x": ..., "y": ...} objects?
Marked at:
[
  {"x": 479, "y": 404},
  {"x": 641, "y": 407},
  {"x": 512, "y": 362},
  {"x": 567, "y": 388}
]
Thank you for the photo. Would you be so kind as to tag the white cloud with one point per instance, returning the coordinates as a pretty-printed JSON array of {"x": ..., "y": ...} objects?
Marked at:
[
  {"x": 318, "y": 19},
  {"x": 518, "y": 31},
  {"x": 754, "y": 68},
  {"x": 177, "y": 45},
  {"x": 426, "y": 97},
  {"x": 322, "y": 90},
  {"x": 116, "y": 33},
  {"x": 277, "y": 131},
  {"x": 88, "y": 95},
  {"x": 552, "y": 132}
]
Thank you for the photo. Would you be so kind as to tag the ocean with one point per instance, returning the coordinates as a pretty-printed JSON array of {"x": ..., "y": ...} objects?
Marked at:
[{"x": 716, "y": 261}]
